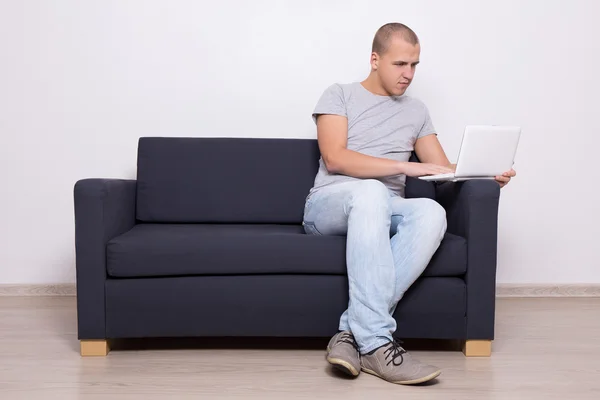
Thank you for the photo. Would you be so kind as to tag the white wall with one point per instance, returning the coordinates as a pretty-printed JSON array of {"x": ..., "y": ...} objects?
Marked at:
[{"x": 81, "y": 81}]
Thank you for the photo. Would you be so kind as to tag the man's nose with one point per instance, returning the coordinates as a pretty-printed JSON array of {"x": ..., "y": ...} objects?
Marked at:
[{"x": 408, "y": 74}]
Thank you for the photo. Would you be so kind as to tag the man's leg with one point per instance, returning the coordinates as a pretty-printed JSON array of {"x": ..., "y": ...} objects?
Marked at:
[
  {"x": 362, "y": 211},
  {"x": 418, "y": 226}
]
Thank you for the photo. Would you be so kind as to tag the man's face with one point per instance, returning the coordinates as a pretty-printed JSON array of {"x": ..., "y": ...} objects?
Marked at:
[{"x": 396, "y": 67}]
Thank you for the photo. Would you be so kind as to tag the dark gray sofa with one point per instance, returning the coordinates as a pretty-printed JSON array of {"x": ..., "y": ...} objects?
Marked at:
[{"x": 208, "y": 241}]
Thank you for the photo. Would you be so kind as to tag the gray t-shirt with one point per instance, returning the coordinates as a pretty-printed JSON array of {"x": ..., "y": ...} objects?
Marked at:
[{"x": 379, "y": 126}]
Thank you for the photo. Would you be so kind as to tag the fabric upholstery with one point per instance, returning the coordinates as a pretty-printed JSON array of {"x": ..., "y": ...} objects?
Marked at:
[
  {"x": 227, "y": 249},
  {"x": 104, "y": 209},
  {"x": 472, "y": 212},
  {"x": 268, "y": 305},
  {"x": 224, "y": 180}
]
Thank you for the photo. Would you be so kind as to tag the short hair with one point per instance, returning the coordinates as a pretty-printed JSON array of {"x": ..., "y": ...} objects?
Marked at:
[{"x": 381, "y": 42}]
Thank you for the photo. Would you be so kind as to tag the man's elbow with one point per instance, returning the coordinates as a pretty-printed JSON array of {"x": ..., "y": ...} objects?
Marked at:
[{"x": 332, "y": 163}]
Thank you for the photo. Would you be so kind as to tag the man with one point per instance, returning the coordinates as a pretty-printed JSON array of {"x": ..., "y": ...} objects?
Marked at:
[{"x": 366, "y": 133}]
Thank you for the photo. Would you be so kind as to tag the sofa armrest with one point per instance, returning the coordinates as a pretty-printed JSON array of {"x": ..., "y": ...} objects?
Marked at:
[
  {"x": 104, "y": 209},
  {"x": 472, "y": 212}
]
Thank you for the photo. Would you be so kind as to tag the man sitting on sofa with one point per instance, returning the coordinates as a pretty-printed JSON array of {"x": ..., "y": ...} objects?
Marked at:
[{"x": 366, "y": 133}]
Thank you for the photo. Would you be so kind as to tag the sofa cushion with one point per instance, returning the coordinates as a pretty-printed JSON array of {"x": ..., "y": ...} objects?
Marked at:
[
  {"x": 227, "y": 180},
  {"x": 228, "y": 249}
]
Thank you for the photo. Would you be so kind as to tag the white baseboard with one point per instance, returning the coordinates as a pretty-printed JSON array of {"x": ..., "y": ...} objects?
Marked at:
[
  {"x": 502, "y": 290},
  {"x": 60, "y": 289},
  {"x": 548, "y": 290}
]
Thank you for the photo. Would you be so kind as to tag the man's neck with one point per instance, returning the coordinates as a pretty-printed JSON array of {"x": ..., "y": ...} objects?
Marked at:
[{"x": 372, "y": 85}]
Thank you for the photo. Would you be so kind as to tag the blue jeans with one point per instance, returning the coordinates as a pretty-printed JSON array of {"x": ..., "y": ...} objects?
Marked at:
[{"x": 380, "y": 269}]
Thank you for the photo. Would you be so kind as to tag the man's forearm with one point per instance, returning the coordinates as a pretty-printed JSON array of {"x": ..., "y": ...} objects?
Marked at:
[{"x": 358, "y": 165}]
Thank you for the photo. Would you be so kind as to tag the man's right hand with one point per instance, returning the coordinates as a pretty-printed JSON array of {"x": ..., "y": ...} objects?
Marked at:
[{"x": 416, "y": 169}]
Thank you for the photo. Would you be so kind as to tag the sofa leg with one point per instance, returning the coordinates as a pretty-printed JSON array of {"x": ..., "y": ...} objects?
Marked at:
[
  {"x": 94, "y": 348},
  {"x": 477, "y": 348}
]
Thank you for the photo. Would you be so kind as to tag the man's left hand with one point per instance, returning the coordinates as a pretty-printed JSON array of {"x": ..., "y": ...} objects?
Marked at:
[{"x": 505, "y": 177}]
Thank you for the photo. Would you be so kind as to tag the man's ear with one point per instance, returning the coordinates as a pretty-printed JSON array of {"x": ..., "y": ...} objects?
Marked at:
[{"x": 374, "y": 61}]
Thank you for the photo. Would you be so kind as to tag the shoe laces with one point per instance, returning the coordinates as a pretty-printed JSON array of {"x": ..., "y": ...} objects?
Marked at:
[
  {"x": 394, "y": 352},
  {"x": 347, "y": 337}
]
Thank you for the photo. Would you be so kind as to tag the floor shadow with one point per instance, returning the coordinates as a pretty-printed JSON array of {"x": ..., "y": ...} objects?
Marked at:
[
  {"x": 336, "y": 373},
  {"x": 432, "y": 382},
  {"x": 263, "y": 343},
  {"x": 216, "y": 343},
  {"x": 432, "y": 345}
]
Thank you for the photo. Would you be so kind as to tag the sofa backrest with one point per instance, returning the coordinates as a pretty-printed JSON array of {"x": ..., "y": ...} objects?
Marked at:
[{"x": 224, "y": 180}]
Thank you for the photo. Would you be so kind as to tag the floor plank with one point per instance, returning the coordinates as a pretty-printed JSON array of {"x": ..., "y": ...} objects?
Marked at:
[{"x": 545, "y": 349}]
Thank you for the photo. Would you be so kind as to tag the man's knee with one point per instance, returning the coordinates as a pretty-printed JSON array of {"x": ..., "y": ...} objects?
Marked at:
[
  {"x": 371, "y": 194},
  {"x": 432, "y": 215}
]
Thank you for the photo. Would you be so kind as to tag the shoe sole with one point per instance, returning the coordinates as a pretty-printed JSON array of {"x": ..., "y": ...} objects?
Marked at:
[
  {"x": 409, "y": 382},
  {"x": 342, "y": 365}
]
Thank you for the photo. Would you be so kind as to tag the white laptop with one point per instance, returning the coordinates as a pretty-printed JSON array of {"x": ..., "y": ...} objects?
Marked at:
[{"x": 485, "y": 152}]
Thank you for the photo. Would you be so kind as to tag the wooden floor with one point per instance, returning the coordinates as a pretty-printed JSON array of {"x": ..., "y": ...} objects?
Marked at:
[{"x": 545, "y": 349}]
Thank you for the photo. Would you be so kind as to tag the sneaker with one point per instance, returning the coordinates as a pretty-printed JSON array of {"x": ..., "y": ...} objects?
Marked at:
[
  {"x": 393, "y": 364},
  {"x": 342, "y": 353}
]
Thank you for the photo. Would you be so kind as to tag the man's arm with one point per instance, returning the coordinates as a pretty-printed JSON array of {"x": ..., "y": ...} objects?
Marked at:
[
  {"x": 429, "y": 150},
  {"x": 332, "y": 134}
]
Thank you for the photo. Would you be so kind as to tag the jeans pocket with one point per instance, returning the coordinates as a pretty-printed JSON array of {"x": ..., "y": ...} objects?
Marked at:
[{"x": 311, "y": 229}]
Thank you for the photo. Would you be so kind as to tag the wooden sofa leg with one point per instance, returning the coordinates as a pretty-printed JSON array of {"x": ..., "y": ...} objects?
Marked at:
[
  {"x": 477, "y": 348},
  {"x": 94, "y": 348}
]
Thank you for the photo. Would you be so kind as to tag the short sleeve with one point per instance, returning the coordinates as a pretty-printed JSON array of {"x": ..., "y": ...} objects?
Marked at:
[
  {"x": 427, "y": 128},
  {"x": 331, "y": 102}
]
